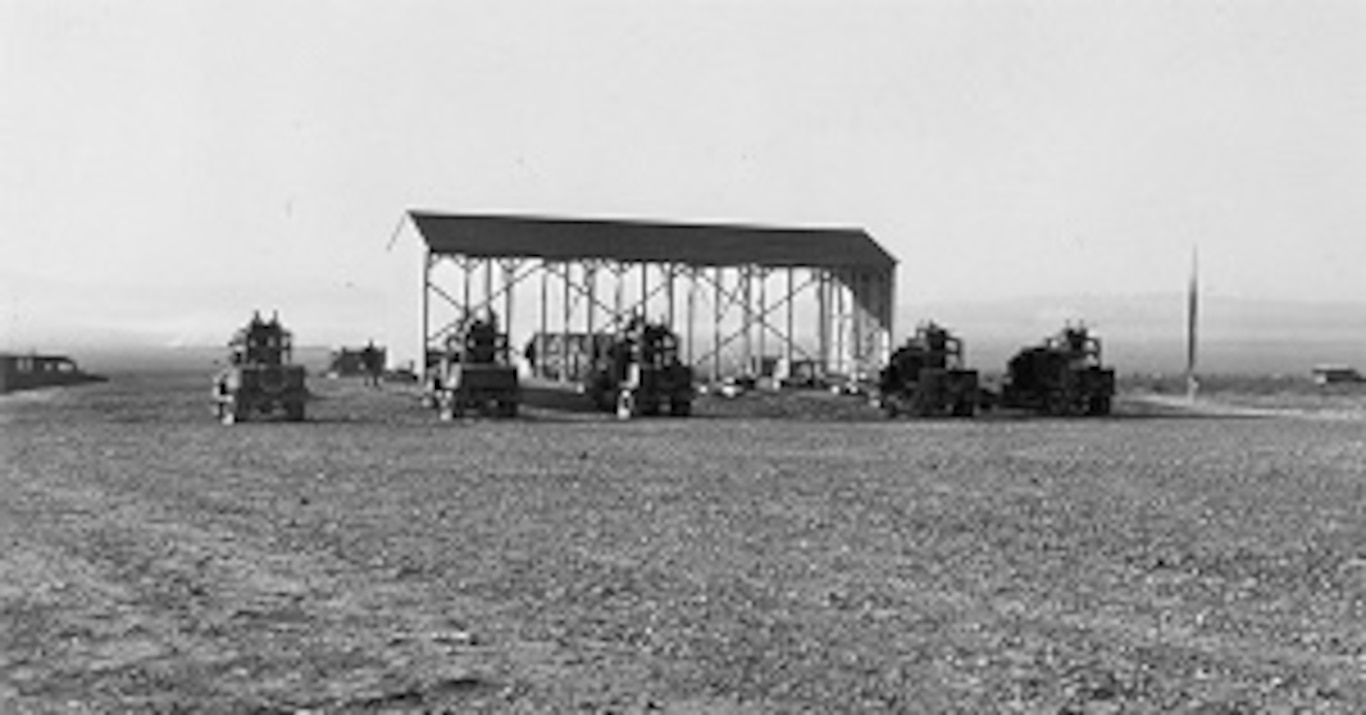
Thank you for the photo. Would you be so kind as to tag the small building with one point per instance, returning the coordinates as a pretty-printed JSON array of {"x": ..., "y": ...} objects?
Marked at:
[
  {"x": 568, "y": 356},
  {"x": 352, "y": 362},
  {"x": 1336, "y": 374},
  {"x": 27, "y": 371}
]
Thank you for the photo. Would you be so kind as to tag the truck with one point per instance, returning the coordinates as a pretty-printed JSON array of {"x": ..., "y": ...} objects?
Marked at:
[
  {"x": 474, "y": 373},
  {"x": 1062, "y": 376},
  {"x": 926, "y": 377},
  {"x": 260, "y": 378},
  {"x": 640, "y": 373}
]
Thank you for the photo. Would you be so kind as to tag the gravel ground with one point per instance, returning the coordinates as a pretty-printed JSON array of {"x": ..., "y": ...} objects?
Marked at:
[{"x": 770, "y": 555}]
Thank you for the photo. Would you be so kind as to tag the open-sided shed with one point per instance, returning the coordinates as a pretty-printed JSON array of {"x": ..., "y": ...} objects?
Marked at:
[{"x": 740, "y": 297}]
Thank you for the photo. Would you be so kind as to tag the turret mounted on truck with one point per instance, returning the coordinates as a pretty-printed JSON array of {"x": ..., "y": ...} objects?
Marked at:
[
  {"x": 260, "y": 378},
  {"x": 1063, "y": 376},
  {"x": 475, "y": 372},
  {"x": 926, "y": 377},
  {"x": 640, "y": 373}
]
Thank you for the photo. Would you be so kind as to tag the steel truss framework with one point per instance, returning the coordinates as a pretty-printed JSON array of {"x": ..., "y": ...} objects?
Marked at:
[{"x": 729, "y": 318}]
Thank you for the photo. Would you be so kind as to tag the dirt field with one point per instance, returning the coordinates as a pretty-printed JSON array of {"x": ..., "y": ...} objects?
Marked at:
[{"x": 374, "y": 560}]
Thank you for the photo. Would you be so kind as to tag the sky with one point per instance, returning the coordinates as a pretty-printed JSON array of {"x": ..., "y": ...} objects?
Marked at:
[{"x": 166, "y": 166}]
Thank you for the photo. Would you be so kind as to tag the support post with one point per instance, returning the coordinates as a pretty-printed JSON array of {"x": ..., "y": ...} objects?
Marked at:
[
  {"x": 426, "y": 308},
  {"x": 509, "y": 271},
  {"x": 669, "y": 295},
  {"x": 823, "y": 320},
  {"x": 590, "y": 276},
  {"x": 716, "y": 328},
  {"x": 645, "y": 290},
  {"x": 747, "y": 294},
  {"x": 839, "y": 324},
  {"x": 763, "y": 317},
  {"x": 467, "y": 270},
  {"x": 564, "y": 323},
  {"x": 692, "y": 311},
  {"x": 488, "y": 285},
  {"x": 541, "y": 341},
  {"x": 619, "y": 274},
  {"x": 791, "y": 297}
]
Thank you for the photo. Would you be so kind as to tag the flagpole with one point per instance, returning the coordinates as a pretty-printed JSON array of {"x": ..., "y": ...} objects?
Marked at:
[{"x": 1192, "y": 323}]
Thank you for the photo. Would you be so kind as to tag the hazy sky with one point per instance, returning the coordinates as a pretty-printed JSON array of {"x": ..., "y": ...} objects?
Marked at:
[{"x": 166, "y": 164}]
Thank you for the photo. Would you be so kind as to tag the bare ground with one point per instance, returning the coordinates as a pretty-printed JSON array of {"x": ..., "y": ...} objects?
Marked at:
[{"x": 375, "y": 560}]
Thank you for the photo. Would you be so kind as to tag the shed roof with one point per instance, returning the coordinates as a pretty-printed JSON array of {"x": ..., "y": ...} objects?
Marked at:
[{"x": 650, "y": 241}]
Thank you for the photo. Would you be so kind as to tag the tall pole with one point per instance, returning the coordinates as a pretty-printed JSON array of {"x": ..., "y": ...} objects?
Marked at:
[{"x": 1192, "y": 323}]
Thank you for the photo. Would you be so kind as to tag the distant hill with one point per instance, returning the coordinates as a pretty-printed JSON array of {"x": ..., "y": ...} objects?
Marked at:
[
  {"x": 114, "y": 360},
  {"x": 1147, "y": 333}
]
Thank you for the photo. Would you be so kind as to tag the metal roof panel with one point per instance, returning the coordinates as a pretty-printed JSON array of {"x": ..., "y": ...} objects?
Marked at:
[{"x": 650, "y": 241}]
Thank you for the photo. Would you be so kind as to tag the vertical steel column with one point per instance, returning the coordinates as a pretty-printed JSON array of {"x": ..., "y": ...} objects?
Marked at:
[
  {"x": 645, "y": 290},
  {"x": 823, "y": 319},
  {"x": 509, "y": 273},
  {"x": 839, "y": 323},
  {"x": 590, "y": 276},
  {"x": 426, "y": 308},
  {"x": 488, "y": 285},
  {"x": 716, "y": 328},
  {"x": 791, "y": 336},
  {"x": 763, "y": 318},
  {"x": 669, "y": 295},
  {"x": 541, "y": 341},
  {"x": 747, "y": 291},
  {"x": 566, "y": 314},
  {"x": 858, "y": 350},
  {"x": 888, "y": 316},
  {"x": 692, "y": 311},
  {"x": 465, "y": 280},
  {"x": 619, "y": 274}
]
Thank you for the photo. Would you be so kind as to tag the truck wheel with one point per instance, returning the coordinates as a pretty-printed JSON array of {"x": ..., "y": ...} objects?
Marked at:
[
  {"x": 626, "y": 405},
  {"x": 889, "y": 407},
  {"x": 1099, "y": 405},
  {"x": 680, "y": 407}
]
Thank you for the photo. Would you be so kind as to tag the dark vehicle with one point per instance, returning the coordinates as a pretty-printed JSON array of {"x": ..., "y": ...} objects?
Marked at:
[
  {"x": 640, "y": 373},
  {"x": 260, "y": 378},
  {"x": 1064, "y": 376},
  {"x": 926, "y": 377},
  {"x": 31, "y": 370},
  {"x": 475, "y": 373}
]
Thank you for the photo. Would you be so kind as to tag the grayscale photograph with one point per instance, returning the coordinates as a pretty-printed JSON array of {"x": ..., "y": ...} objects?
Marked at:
[{"x": 733, "y": 357}]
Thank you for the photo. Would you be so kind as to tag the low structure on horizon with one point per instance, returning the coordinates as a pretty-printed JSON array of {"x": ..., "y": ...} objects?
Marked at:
[
  {"x": 32, "y": 370},
  {"x": 352, "y": 362},
  {"x": 1336, "y": 374}
]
